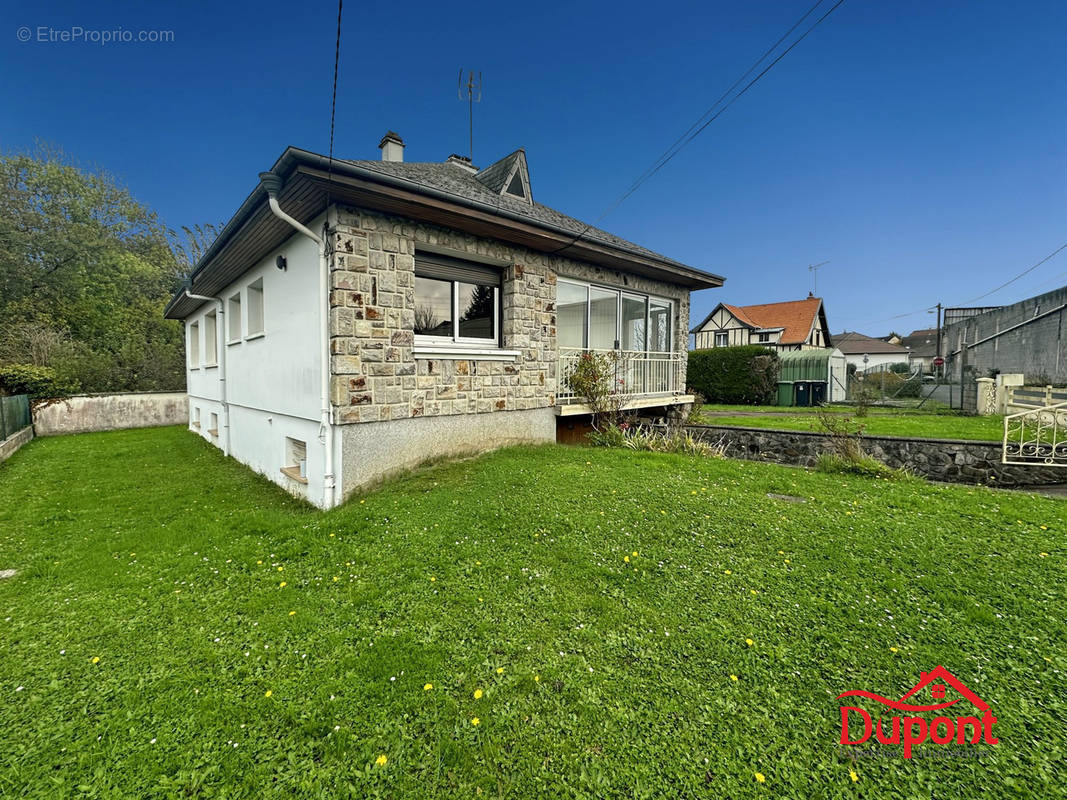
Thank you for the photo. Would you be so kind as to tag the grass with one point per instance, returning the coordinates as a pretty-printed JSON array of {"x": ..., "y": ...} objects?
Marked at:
[
  {"x": 925, "y": 426},
  {"x": 249, "y": 646}
]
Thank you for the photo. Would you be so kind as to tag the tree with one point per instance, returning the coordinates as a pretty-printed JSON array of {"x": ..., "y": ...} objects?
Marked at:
[{"x": 85, "y": 271}]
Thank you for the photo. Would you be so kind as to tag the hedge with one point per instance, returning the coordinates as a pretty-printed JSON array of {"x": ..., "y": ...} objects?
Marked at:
[
  {"x": 745, "y": 375},
  {"x": 35, "y": 381}
]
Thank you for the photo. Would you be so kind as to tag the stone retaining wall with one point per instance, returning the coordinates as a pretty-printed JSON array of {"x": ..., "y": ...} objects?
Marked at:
[
  {"x": 110, "y": 412},
  {"x": 949, "y": 460},
  {"x": 13, "y": 442}
]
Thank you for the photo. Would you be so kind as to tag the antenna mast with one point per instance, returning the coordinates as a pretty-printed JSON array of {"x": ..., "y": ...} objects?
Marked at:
[
  {"x": 814, "y": 270},
  {"x": 474, "y": 95}
]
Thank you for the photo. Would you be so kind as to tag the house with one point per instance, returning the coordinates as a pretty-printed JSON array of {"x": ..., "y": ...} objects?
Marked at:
[
  {"x": 922, "y": 349},
  {"x": 793, "y": 325},
  {"x": 1028, "y": 337},
  {"x": 868, "y": 354},
  {"x": 356, "y": 318}
]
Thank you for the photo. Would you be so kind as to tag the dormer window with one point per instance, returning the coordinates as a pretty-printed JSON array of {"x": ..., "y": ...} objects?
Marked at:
[
  {"x": 515, "y": 188},
  {"x": 508, "y": 177}
]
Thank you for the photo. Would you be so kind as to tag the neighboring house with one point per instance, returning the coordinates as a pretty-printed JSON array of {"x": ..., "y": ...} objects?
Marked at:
[
  {"x": 922, "y": 349},
  {"x": 1028, "y": 337},
  {"x": 356, "y": 318},
  {"x": 879, "y": 354},
  {"x": 793, "y": 325}
]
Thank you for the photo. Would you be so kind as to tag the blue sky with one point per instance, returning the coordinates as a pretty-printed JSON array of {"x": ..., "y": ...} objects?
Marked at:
[{"x": 917, "y": 146}]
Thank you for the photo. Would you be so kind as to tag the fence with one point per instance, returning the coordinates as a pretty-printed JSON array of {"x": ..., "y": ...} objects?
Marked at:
[
  {"x": 14, "y": 415},
  {"x": 634, "y": 372},
  {"x": 886, "y": 387},
  {"x": 1022, "y": 398}
]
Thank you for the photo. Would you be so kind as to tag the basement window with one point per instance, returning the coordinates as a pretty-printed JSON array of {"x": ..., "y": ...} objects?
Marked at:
[
  {"x": 214, "y": 429},
  {"x": 254, "y": 300},
  {"x": 296, "y": 460},
  {"x": 233, "y": 319},
  {"x": 211, "y": 340},
  {"x": 196, "y": 417},
  {"x": 194, "y": 345}
]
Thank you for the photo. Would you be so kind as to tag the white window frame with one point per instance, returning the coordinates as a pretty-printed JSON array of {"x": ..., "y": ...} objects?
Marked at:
[
  {"x": 619, "y": 292},
  {"x": 194, "y": 345},
  {"x": 763, "y": 338},
  {"x": 210, "y": 357},
  {"x": 255, "y": 290},
  {"x": 234, "y": 299},
  {"x": 725, "y": 337},
  {"x": 423, "y": 340}
]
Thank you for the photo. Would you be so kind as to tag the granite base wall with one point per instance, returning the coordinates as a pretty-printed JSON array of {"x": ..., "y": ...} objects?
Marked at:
[{"x": 948, "y": 460}]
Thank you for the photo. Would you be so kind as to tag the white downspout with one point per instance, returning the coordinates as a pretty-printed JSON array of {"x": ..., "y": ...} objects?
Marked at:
[
  {"x": 220, "y": 329},
  {"x": 273, "y": 184}
]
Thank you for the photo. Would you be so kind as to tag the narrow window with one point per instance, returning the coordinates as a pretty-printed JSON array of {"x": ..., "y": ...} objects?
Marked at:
[
  {"x": 296, "y": 460},
  {"x": 196, "y": 417},
  {"x": 194, "y": 345},
  {"x": 255, "y": 308},
  {"x": 660, "y": 326},
  {"x": 211, "y": 340},
  {"x": 572, "y": 308},
  {"x": 214, "y": 429},
  {"x": 763, "y": 337},
  {"x": 233, "y": 319},
  {"x": 722, "y": 339}
]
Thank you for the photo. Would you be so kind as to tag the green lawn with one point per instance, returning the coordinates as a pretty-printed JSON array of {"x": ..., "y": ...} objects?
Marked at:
[
  {"x": 180, "y": 628},
  {"x": 928, "y": 426}
]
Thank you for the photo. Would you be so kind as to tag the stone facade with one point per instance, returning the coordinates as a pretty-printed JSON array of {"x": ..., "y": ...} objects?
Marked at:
[
  {"x": 948, "y": 460},
  {"x": 376, "y": 374}
]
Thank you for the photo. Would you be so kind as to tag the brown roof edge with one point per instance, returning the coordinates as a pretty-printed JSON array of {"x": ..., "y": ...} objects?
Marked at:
[{"x": 553, "y": 238}]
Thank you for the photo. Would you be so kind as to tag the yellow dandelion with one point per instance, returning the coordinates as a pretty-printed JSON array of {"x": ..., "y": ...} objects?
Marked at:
[
  {"x": 1043, "y": 555},
  {"x": 760, "y": 778},
  {"x": 336, "y": 578},
  {"x": 281, "y": 585},
  {"x": 537, "y": 678},
  {"x": 754, "y": 592},
  {"x": 635, "y": 554},
  {"x": 383, "y": 759},
  {"x": 280, "y": 569},
  {"x": 96, "y": 659},
  {"x": 894, "y": 649},
  {"x": 433, "y": 579},
  {"x": 734, "y": 678},
  {"x": 852, "y": 774},
  {"x": 749, "y": 642},
  {"x": 480, "y": 600},
  {"x": 626, "y": 559},
  {"x": 787, "y": 561},
  {"x": 499, "y": 670},
  {"x": 728, "y": 572},
  {"x": 260, "y": 561},
  {"x": 476, "y": 721},
  {"x": 292, "y": 613},
  {"x": 268, "y": 693},
  {"x": 781, "y": 552},
  {"x": 478, "y": 694},
  {"x": 427, "y": 687},
  {"x": 1044, "y": 527},
  {"x": 477, "y": 563},
  {"x": 361, "y": 502}
]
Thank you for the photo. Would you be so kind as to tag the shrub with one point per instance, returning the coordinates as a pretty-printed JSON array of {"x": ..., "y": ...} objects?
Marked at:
[
  {"x": 35, "y": 381},
  {"x": 640, "y": 437},
  {"x": 745, "y": 375},
  {"x": 593, "y": 380}
]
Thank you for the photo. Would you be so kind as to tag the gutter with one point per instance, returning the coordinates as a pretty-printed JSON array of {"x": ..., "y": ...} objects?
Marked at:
[
  {"x": 220, "y": 329},
  {"x": 272, "y": 185}
]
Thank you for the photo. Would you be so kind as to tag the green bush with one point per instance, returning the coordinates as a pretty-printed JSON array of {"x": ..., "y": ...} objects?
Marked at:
[
  {"x": 745, "y": 375},
  {"x": 35, "y": 381}
]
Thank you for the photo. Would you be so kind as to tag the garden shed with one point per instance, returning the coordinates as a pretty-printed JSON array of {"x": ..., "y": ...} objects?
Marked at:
[{"x": 811, "y": 377}]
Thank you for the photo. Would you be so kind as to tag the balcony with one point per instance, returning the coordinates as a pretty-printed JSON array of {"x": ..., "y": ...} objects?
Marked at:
[{"x": 644, "y": 379}]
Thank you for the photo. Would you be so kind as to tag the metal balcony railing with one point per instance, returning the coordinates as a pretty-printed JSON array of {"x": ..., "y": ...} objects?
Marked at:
[{"x": 635, "y": 372}]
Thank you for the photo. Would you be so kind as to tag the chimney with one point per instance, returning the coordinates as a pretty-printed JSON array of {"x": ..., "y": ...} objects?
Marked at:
[
  {"x": 463, "y": 162},
  {"x": 392, "y": 147}
]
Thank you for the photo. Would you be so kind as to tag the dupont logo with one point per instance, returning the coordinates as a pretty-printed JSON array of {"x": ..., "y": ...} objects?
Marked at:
[{"x": 974, "y": 727}]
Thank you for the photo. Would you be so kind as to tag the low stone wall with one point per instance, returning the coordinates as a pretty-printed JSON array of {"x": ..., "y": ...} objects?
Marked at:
[
  {"x": 14, "y": 442},
  {"x": 110, "y": 412},
  {"x": 949, "y": 460}
]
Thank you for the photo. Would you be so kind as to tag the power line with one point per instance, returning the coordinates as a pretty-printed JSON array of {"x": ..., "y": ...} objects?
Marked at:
[
  {"x": 333, "y": 100},
  {"x": 701, "y": 124},
  {"x": 1049, "y": 257}
]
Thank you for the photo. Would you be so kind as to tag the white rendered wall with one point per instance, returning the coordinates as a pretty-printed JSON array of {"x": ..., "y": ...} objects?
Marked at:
[
  {"x": 273, "y": 378},
  {"x": 876, "y": 360}
]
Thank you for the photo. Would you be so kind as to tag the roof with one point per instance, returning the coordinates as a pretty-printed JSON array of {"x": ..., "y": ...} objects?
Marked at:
[
  {"x": 852, "y": 344},
  {"x": 921, "y": 343},
  {"x": 794, "y": 318},
  {"x": 439, "y": 193}
]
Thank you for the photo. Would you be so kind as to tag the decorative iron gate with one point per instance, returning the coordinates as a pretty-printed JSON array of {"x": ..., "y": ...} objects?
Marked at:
[{"x": 1036, "y": 436}]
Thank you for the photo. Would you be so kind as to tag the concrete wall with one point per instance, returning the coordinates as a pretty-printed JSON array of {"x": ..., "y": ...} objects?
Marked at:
[
  {"x": 14, "y": 442},
  {"x": 110, "y": 412},
  {"x": 949, "y": 460},
  {"x": 1036, "y": 347},
  {"x": 370, "y": 453}
]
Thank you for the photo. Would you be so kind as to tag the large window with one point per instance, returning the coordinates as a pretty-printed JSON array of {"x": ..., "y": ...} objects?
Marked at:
[
  {"x": 599, "y": 318},
  {"x": 456, "y": 302}
]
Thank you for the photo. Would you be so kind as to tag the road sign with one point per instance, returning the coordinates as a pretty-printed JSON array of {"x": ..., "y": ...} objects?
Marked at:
[{"x": 939, "y": 362}]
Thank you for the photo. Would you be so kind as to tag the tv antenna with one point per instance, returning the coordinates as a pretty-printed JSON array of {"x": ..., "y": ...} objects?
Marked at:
[
  {"x": 814, "y": 270},
  {"x": 473, "y": 87}
]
